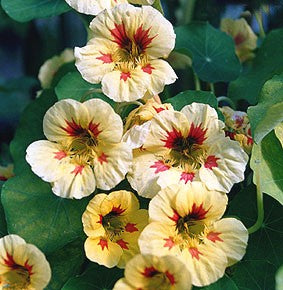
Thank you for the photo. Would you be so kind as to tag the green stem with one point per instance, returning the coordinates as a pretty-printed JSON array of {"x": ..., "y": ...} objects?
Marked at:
[
  {"x": 83, "y": 98},
  {"x": 227, "y": 100},
  {"x": 211, "y": 86},
  {"x": 197, "y": 83},
  {"x": 120, "y": 106},
  {"x": 188, "y": 11},
  {"x": 260, "y": 208},
  {"x": 258, "y": 16},
  {"x": 157, "y": 5}
]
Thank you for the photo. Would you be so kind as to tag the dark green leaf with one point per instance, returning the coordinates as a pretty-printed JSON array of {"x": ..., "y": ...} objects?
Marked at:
[
  {"x": 268, "y": 113},
  {"x": 268, "y": 62},
  {"x": 27, "y": 10},
  {"x": 212, "y": 52},
  {"x": 37, "y": 215},
  {"x": 95, "y": 277},
  {"x": 3, "y": 224},
  {"x": 63, "y": 70}
]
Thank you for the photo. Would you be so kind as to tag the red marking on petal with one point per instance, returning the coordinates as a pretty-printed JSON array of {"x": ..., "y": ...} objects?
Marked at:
[
  {"x": 197, "y": 134},
  {"x": 103, "y": 243},
  {"x": 123, "y": 244},
  {"x": 78, "y": 169},
  {"x": 211, "y": 162},
  {"x": 187, "y": 176},
  {"x": 102, "y": 158},
  {"x": 198, "y": 212},
  {"x": 9, "y": 261},
  {"x": 169, "y": 243},
  {"x": 120, "y": 35},
  {"x": 170, "y": 277},
  {"x": 250, "y": 131},
  {"x": 131, "y": 228},
  {"x": 117, "y": 210},
  {"x": 238, "y": 39},
  {"x": 175, "y": 216},
  {"x": 148, "y": 69},
  {"x": 142, "y": 38},
  {"x": 3, "y": 178},
  {"x": 149, "y": 272},
  {"x": 171, "y": 138},
  {"x": 250, "y": 141},
  {"x": 160, "y": 166},
  {"x": 105, "y": 57},
  {"x": 125, "y": 75},
  {"x": 239, "y": 121},
  {"x": 231, "y": 135},
  {"x": 195, "y": 253},
  {"x": 60, "y": 155},
  {"x": 100, "y": 219},
  {"x": 93, "y": 127},
  {"x": 158, "y": 110},
  {"x": 73, "y": 129},
  {"x": 212, "y": 236},
  {"x": 29, "y": 268}
]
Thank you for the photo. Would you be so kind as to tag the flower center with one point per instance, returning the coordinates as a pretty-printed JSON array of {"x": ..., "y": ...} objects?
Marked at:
[
  {"x": 16, "y": 278},
  {"x": 113, "y": 225}
]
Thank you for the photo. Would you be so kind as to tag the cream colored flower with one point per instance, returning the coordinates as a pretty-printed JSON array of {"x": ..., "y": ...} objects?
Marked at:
[
  {"x": 94, "y": 7},
  {"x": 125, "y": 52},
  {"x": 243, "y": 36},
  {"x": 187, "y": 146},
  {"x": 52, "y": 65},
  {"x": 151, "y": 272},
  {"x": 113, "y": 224},
  {"x": 6, "y": 172},
  {"x": 185, "y": 222},
  {"x": 22, "y": 266},
  {"x": 83, "y": 150}
]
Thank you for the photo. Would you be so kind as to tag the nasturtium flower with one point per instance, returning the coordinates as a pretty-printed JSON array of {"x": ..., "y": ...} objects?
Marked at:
[
  {"x": 150, "y": 272},
  {"x": 83, "y": 150},
  {"x": 6, "y": 172},
  {"x": 244, "y": 38},
  {"x": 52, "y": 65},
  {"x": 137, "y": 123},
  {"x": 185, "y": 222},
  {"x": 125, "y": 52},
  {"x": 237, "y": 127},
  {"x": 94, "y": 7},
  {"x": 22, "y": 265},
  {"x": 113, "y": 224},
  {"x": 187, "y": 146}
]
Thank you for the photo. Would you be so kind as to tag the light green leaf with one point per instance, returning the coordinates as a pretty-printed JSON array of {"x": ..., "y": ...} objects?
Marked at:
[
  {"x": 279, "y": 133},
  {"x": 36, "y": 214},
  {"x": 3, "y": 224},
  {"x": 267, "y": 157},
  {"x": 25, "y": 10},
  {"x": 212, "y": 52},
  {"x": 268, "y": 62},
  {"x": 268, "y": 113}
]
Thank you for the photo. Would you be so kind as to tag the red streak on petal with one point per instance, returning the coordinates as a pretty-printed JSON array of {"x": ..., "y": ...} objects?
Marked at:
[
  {"x": 198, "y": 212},
  {"x": 102, "y": 158},
  {"x": 123, "y": 244},
  {"x": 171, "y": 138},
  {"x": 187, "y": 176},
  {"x": 131, "y": 228},
  {"x": 212, "y": 236},
  {"x": 100, "y": 219},
  {"x": 149, "y": 272},
  {"x": 211, "y": 162},
  {"x": 73, "y": 129},
  {"x": 158, "y": 110},
  {"x": 169, "y": 243},
  {"x": 197, "y": 134},
  {"x": 238, "y": 39},
  {"x": 231, "y": 135},
  {"x": 9, "y": 261},
  {"x": 195, "y": 253},
  {"x": 148, "y": 69},
  {"x": 103, "y": 243},
  {"x": 105, "y": 57},
  {"x": 125, "y": 75},
  {"x": 3, "y": 178},
  {"x": 175, "y": 216},
  {"x": 170, "y": 277},
  {"x": 250, "y": 141},
  {"x": 142, "y": 38},
  {"x": 160, "y": 166},
  {"x": 117, "y": 210},
  {"x": 120, "y": 35},
  {"x": 239, "y": 121},
  {"x": 60, "y": 155},
  {"x": 29, "y": 268},
  {"x": 78, "y": 169},
  {"x": 93, "y": 127}
]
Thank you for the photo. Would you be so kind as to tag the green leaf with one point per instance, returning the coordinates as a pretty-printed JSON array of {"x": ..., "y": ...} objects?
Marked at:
[
  {"x": 212, "y": 52},
  {"x": 73, "y": 86},
  {"x": 267, "y": 157},
  {"x": 189, "y": 97},
  {"x": 95, "y": 277},
  {"x": 3, "y": 224},
  {"x": 279, "y": 279},
  {"x": 268, "y": 113},
  {"x": 36, "y": 214},
  {"x": 268, "y": 62},
  {"x": 224, "y": 283},
  {"x": 63, "y": 70},
  {"x": 30, "y": 128},
  {"x": 65, "y": 263},
  {"x": 27, "y": 10},
  {"x": 279, "y": 133}
]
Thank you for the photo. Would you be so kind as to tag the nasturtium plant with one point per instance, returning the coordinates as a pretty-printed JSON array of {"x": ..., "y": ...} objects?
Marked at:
[{"x": 147, "y": 152}]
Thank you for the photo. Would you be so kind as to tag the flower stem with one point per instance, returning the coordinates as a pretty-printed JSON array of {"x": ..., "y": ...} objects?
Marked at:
[
  {"x": 197, "y": 83},
  {"x": 227, "y": 100},
  {"x": 157, "y": 5},
  {"x": 260, "y": 208},
  {"x": 92, "y": 91},
  {"x": 188, "y": 11},
  {"x": 258, "y": 17},
  {"x": 211, "y": 86}
]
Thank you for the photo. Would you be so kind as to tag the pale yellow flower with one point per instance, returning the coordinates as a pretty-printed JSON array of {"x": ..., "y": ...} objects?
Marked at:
[
  {"x": 125, "y": 52},
  {"x": 113, "y": 224},
  {"x": 83, "y": 150},
  {"x": 185, "y": 222},
  {"x": 155, "y": 273},
  {"x": 22, "y": 265},
  {"x": 6, "y": 172}
]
